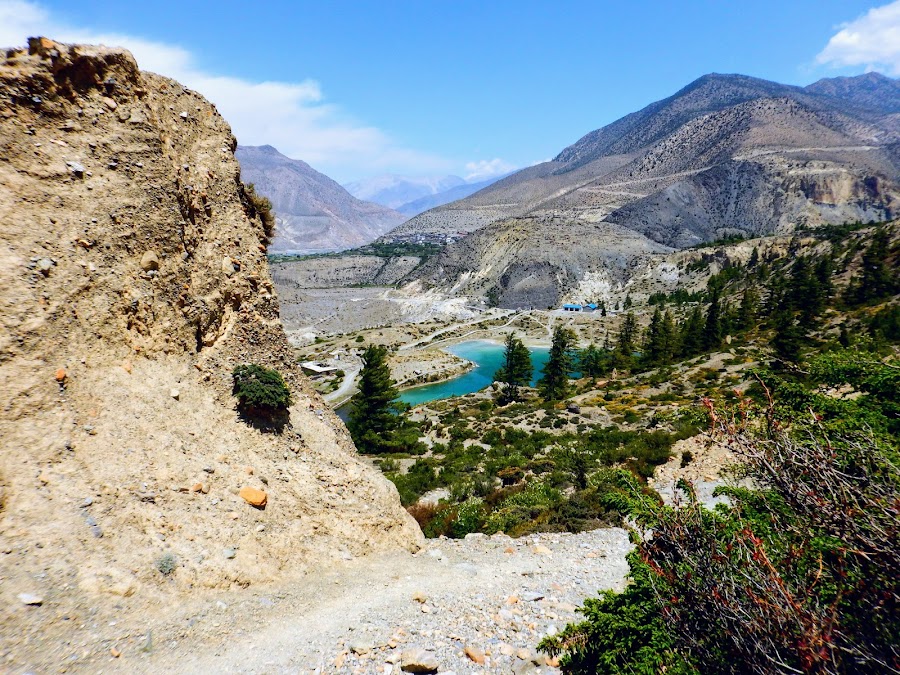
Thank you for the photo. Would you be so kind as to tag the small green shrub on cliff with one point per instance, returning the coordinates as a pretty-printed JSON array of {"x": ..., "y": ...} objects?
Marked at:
[
  {"x": 166, "y": 564},
  {"x": 262, "y": 206},
  {"x": 260, "y": 391}
]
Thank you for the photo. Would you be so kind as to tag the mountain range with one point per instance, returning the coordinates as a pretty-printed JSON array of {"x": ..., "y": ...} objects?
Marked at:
[
  {"x": 413, "y": 195},
  {"x": 725, "y": 155},
  {"x": 313, "y": 213}
]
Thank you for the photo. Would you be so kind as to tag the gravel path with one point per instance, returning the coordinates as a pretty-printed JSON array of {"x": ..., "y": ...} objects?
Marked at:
[{"x": 494, "y": 597}]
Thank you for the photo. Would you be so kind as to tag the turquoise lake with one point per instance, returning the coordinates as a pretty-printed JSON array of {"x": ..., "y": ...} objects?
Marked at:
[{"x": 487, "y": 357}]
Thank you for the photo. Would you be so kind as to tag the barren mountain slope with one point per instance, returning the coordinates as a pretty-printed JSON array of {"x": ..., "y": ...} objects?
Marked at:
[
  {"x": 313, "y": 212},
  {"x": 714, "y": 120},
  {"x": 873, "y": 90},
  {"x": 134, "y": 279},
  {"x": 535, "y": 263}
]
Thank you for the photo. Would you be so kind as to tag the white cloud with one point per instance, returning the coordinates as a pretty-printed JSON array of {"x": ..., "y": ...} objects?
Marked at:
[
  {"x": 487, "y": 168},
  {"x": 872, "y": 41},
  {"x": 292, "y": 116}
]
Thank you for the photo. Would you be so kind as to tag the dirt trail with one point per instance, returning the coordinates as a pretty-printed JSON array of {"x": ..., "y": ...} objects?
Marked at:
[{"x": 495, "y": 594}]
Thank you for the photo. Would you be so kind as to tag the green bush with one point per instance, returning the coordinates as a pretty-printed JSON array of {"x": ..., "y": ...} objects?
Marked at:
[
  {"x": 166, "y": 563},
  {"x": 262, "y": 207},
  {"x": 260, "y": 391}
]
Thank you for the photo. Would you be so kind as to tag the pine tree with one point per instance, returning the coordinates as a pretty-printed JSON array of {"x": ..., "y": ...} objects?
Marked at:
[
  {"x": 592, "y": 362},
  {"x": 627, "y": 335},
  {"x": 691, "y": 330},
  {"x": 748, "y": 309},
  {"x": 373, "y": 419},
  {"x": 788, "y": 337},
  {"x": 626, "y": 343},
  {"x": 658, "y": 340},
  {"x": 805, "y": 293},
  {"x": 875, "y": 280},
  {"x": 670, "y": 334},
  {"x": 712, "y": 329},
  {"x": 516, "y": 370},
  {"x": 754, "y": 258},
  {"x": 554, "y": 385}
]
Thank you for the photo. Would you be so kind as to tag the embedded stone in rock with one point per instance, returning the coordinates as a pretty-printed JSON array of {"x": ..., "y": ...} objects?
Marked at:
[
  {"x": 228, "y": 266},
  {"x": 475, "y": 655},
  {"x": 532, "y": 596},
  {"x": 174, "y": 393},
  {"x": 30, "y": 599},
  {"x": 76, "y": 168},
  {"x": 149, "y": 261},
  {"x": 418, "y": 661},
  {"x": 253, "y": 497},
  {"x": 61, "y": 375}
]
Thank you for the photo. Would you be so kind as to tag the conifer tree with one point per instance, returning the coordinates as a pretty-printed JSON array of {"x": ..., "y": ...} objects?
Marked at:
[
  {"x": 516, "y": 369},
  {"x": 592, "y": 362},
  {"x": 788, "y": 337},
  {"x": 627, "y": 335},
  {"x": 754, "y": 258},
  {"x": 670, "y": 333},
  {"x": 554, "y": 385},
  {"x": 875, "y": 280},
  {"x": 748, "y": 309},
  {"x": 712, "y": 329},
  {"x": 626, "y": 343},
  {"x": 658, "y": 341},
  {"x": 692, "y": 333},
  {"x": 373, "y": 416}
]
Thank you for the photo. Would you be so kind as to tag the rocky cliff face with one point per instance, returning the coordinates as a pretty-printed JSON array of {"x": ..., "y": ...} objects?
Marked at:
[{"x": 134, "y": 279}]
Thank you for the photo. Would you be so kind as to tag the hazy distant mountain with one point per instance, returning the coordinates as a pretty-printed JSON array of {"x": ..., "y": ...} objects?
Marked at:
[
  {"x": 395, "y": 191},
  {"x": 727, "y": 154},
  {"x": 416, "y": 207},
  {"x": 313, "y": 212}
]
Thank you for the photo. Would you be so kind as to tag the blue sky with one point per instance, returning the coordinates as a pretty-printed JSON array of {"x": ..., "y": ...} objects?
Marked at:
[{"x": 362, "y": 88}]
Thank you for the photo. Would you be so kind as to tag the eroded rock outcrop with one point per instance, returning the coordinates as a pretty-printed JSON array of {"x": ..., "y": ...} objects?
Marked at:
[{"x": 133, "y": 263}]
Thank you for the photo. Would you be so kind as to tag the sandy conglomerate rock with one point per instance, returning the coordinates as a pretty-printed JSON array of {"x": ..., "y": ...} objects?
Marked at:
[{"x": 120, "y": 201}]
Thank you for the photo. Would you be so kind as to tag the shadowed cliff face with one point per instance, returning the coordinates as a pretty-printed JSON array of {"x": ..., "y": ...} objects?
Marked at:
[{"x": 134, "y": 279}]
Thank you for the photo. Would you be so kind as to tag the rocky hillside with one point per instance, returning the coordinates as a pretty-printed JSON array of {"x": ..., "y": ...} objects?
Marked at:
[
  {"x": 134, "y": 278},
  {"x": 726, "y": 154},
  {"x": 539, "y": 262},
  {"x": 312, "y": 212}
]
